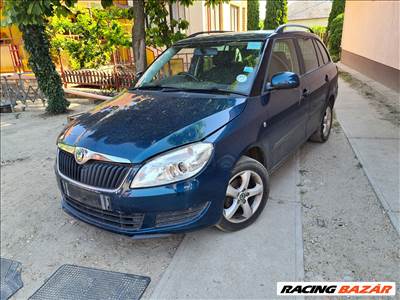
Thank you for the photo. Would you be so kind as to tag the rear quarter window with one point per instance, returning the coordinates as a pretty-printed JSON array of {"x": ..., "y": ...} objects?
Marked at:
[
  {"x": 309, "y": 55},
  {"x": 322, "y": 48},
  {"x": 321, "y": 61}
]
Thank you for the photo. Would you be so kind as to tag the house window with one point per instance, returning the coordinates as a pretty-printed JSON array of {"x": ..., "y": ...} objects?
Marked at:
[
  {"x": 214, "y": 18},
  {"x": 234, "y": 18}
]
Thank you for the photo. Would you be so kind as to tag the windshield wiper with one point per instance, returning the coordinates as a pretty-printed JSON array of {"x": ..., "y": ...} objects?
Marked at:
[
  {"x": 156, "y": 87},
  {"x": 209, "y": 90},
  {"x": 165, "y": 88},
  {"x": 149, "y": 87}
]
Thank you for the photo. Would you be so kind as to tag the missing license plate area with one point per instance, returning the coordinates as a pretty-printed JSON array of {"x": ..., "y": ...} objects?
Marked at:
[{"x": 93, "y": 199}]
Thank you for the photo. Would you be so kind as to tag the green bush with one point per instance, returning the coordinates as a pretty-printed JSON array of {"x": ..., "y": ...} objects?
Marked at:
[
  {"x": 319, "y": 30},
  {"x": 253, "y": 14},
  {"x": 95, "y": 35},
  {"x": 337, "y": 9},
  {"x": 335, "y": 37}
]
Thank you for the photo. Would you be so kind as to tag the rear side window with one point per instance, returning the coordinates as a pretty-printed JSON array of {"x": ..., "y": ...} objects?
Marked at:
[
  {"x": 323, "y": 51},
  {"x": 309, "y": 55},
  {"x": 319, "y": 55},
  {"x": 283, "y": 58}
]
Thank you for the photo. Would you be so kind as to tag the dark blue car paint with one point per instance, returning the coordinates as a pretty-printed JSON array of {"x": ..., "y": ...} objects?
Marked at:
[{"x": 142, "y": 124}]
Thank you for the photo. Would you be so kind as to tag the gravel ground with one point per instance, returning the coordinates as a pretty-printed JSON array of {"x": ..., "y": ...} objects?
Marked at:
[
  {"x": 35, "y": 230},
  {"x": 347, "y": 236}
]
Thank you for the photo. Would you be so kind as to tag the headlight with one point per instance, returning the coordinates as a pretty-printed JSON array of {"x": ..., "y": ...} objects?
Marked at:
[{"x": 173, "y": 166}]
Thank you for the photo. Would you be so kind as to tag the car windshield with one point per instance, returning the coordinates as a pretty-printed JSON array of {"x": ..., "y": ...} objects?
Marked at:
[{"x": 205, "y": 67}]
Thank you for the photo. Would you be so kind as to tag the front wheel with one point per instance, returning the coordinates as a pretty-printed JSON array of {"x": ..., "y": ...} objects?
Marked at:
[
  {"x": 246, "y": 195},
  {"x": 321, "y": 135}
]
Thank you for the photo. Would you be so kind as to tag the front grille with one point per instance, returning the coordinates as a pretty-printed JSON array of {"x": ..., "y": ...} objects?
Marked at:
[
  {"x": 180, "y": 216},
  {"x": 117, "y": 220},
  {"x": 99, "y": 174}
]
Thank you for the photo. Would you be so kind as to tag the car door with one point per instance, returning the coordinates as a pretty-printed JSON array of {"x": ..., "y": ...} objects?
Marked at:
[
  {"x": 285, "y": 128},
  {"x": 313, "y": 83}
]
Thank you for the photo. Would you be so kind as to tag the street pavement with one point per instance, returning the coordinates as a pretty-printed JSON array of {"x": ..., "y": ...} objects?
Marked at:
[
  {"x": 375, "y": 140},
  {"x": 244, "y": 264}
]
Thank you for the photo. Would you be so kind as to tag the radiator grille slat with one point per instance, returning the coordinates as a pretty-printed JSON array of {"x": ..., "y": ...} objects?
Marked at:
[
  {"x": 126, "y": 221},
  {"x": 99, "y": 174}
]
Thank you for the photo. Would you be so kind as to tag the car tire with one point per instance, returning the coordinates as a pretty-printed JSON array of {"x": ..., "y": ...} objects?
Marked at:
[
  {"x": 321, "y": 135},
  {"x": 248, "y": 199}
]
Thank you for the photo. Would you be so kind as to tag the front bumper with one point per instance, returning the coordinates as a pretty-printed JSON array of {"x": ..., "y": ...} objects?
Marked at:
[{"x": 184, "y": 206}]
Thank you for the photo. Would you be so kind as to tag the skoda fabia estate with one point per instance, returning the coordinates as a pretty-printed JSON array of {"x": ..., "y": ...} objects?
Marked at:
[{"x": 193, "y": 143}]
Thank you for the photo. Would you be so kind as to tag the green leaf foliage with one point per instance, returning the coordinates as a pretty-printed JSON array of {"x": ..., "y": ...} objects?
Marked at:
[
  {"x": 275, "y": 14},
  {"x": 337, "y": 9},
  {"x": 95, "y": 35},
  {"x": 49, "y": 81},
  {"x": 31, "y": 18},
  {"x": 253, "y": 14},
  {"x": 333, "y": 34},
  {"x": 335, "y": 37},
  {"x": 162, "y": 30},
  {"x": 319, "y": 30}
]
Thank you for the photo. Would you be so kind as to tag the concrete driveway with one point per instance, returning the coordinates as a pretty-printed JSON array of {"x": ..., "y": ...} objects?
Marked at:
[
  {"x": 245, "y": 264},
  {"x": 35, "y": 230}
]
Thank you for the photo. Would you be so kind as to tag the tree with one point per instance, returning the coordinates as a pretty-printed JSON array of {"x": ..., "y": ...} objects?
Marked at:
[
  {"x": 333, "y": 34},
  {"x": 337, "y": 9},
  {"x": 30, "y": 17},
  {"x": 99, "y": 34},
  {"x": 276, "y": 13},
  {"x": 335, "y": 37},
  {"x": 253, "y": 14},
  {"x": 151, "y": 25},
  {"x": 139, "y": 36}
]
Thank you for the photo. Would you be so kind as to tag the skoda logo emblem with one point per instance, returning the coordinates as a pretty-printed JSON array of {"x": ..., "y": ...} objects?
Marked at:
[{"x": 80, "y": 155}]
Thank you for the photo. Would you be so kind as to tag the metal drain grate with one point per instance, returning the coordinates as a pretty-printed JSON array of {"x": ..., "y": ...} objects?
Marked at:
[
  {"x": 75, "y": 282},
  {"x": 10, "y": 280}
]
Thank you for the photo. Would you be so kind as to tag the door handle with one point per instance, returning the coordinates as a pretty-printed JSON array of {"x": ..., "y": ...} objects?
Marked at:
[
  {"x": 326, "y": 78},
  {"x": 304, "y": 95}
]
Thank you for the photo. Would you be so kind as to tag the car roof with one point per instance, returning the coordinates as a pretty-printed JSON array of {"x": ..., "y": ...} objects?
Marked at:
[
  {"x": 227, "y": 36},
  {"x": 239, "y": 36}
]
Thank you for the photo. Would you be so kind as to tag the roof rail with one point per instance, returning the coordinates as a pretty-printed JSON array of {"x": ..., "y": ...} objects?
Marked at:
[
  {"x": 282, "y": 27},
  {"x": 206, "y": 32}
]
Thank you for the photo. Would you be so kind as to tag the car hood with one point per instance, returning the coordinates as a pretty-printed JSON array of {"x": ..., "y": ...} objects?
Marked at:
[{"x": 137, "y": 125}]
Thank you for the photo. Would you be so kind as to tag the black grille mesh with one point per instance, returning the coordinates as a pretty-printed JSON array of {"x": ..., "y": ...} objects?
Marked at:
[
  {"x": 94, "y": 173},
  {"x": 180, "y": 216},
  {"x": 115, "y": 219}
]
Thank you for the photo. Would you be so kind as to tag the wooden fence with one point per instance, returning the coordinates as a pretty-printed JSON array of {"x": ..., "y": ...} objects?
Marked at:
[{"x": 103, "y": 80}]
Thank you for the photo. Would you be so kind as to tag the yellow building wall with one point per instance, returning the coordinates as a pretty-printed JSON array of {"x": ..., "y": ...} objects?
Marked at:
[
  {"x": 242, "y": 18},
  {"x": 367, "y": 21},
  {"x": 11, "y": 35}
]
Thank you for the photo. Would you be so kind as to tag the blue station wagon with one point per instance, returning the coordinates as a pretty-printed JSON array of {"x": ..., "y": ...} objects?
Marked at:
[{"x": 193, "y": 143}]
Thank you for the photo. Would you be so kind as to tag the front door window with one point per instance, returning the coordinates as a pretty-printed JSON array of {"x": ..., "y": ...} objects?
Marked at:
[{"x": 283, "y": 58}]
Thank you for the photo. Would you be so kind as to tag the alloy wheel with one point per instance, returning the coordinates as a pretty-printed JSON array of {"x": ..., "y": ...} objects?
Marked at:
[
  {"x": 327, "y": 121},
  {"x": 243, "y": 196}
]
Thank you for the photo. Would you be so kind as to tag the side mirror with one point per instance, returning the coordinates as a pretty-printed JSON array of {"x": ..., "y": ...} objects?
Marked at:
[{"x": 284, "y": 80}]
